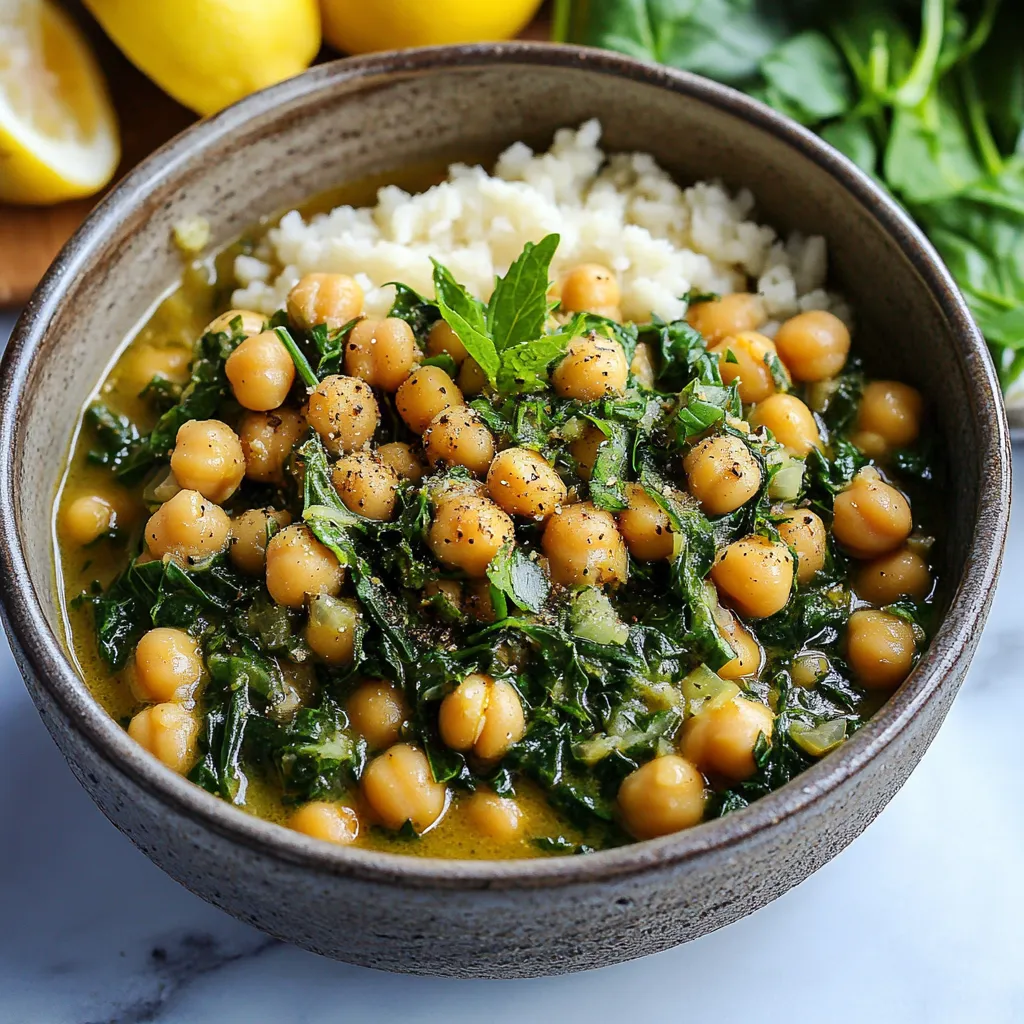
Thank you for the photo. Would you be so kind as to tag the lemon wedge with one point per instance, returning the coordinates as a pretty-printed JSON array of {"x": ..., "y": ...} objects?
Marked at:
[
  {"x": 58, "y": 132},
  {"x": 209, "y": 53}
]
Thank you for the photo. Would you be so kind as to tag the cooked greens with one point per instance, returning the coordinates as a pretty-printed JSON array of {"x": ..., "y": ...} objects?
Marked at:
[{"x": 603, "y": 673}]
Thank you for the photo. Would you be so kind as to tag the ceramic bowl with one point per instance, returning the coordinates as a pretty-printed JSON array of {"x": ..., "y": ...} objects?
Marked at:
[{"x": 355, "y": 118}]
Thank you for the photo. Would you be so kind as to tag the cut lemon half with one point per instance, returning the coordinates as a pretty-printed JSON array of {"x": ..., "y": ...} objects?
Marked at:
[{"x": 58, "y": 131}]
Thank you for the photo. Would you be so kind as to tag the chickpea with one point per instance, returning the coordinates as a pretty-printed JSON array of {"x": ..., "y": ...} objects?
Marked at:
[
  {"x": 592, "y": 288},
  {"x": 880, "y": 649},
  {"x": 331, "y": 299},
  {"x": 813, "y": 345},
  {"x": 722, "y": 474},
  {"x": 88, "y": 518},
  {"x": 299, "y": 565},
  {"x": 377, "y": 711},
  {"x": 207, "y": 458},
  {"x": 745, "y": 356},
  {"x": 592, "y": 368},
  {"x": 493, "y": 816},
  {"x": 809, "y": 669},
  {"x": 642, "y": 365},
  {"x": 892, "y": 411},
  {"x": 424, "y": 394},
  {"x": 524, "y": 484},
  {"x": 399, "y": 787},
  {"x": 805, "y": 533},
  {"x": 584, "y": 547},
  {"x": 662, "y": 796},
  {"x": 334, "y": 823},
  {"x": 901, "y": 573},
  {"x": 483, "y": 716},
  {"x": 756, "y": 574},
  {"x": 250, "y": 533},
  {"x": 344, "y": 412},
  {"x": 168, "y": 731},
  {"x": 249, "y": 323},
  {"x": 261, "y": 372},
  {"x": 749, "y": 656},
  {"x": 720, "y": 739},
  {"x": 403, "y": 460},
  {"x": 645, "y": 526},
  {"x": 458, "y": 437},
  {"x": 584, "y": 449},
  {"x": 467, "y": 532},
  {"x": 168, "y": 666},
  {"x": 872, "y": 445},
  {"x": 188, "y": 527},
  {"x": 442, "y": 340},
  {"x": 789, "y": 420},
  {"x": 267, "y": 440},
  {"x": 472, "y": 379},
  {"x": 334, "y": 624},
  {"x": 728, "y": 316},
  {"x": 366, "y": 484},
  {"x": 141, "y": 365},
  {"x": 870, "y": 517},
  {"x": 381, "y": 352},
  {"x": 479, "y": 603},
  {"x": 450, "y": 590}
]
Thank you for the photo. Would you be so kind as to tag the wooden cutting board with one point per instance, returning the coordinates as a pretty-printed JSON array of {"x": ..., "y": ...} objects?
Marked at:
[{"x": 30, "y": 236}]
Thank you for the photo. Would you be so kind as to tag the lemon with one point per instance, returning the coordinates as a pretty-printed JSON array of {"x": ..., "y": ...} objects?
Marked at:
[
  {"x": 359, "y": 26},
  {"x": 58, "y": 132},
  {"x": 209, "y": 53}
]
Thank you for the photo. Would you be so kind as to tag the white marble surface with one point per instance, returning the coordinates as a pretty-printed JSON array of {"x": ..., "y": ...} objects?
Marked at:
[{"x": 920, "y": 921}]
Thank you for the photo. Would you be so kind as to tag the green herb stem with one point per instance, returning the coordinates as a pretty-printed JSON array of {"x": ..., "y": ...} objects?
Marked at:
[
  {"x": 300, "y": 361},
  {"x": 918, "y": 83},
  {"x": 983, "y": 139}
]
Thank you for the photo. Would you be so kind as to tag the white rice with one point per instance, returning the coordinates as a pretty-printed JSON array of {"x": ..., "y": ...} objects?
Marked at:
[{"x": 622, "y": 210}]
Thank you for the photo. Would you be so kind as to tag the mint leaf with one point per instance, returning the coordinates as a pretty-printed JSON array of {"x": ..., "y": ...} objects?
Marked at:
[
  {"x": 524, "y": 367},
  {"x": 465, "y": 315},
  {"x": 519, "y": 302}
]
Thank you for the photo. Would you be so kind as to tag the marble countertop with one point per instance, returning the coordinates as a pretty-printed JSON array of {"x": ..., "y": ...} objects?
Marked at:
[{"x": 920, "y": 920}]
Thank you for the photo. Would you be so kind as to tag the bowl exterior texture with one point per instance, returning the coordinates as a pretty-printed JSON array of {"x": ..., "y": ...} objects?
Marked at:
[{"x": 357, "y": 118}]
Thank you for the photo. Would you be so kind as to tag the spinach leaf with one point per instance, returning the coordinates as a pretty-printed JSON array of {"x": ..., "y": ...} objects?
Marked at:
[
  {"x": 682, "y": 353},
  {"x": 159, "y": 593},
  {"x": 930, "y": 155},
  {"x": 519, "y": 303},
  {"x": 419, "y": 313},
  {"x": 723, "y": 39},
  {"x": 519, "y": 578},
  {"x": 608, "y": 475},
  {"x": 314, "y": 756},
  {"x": 809, "y": 73},
  {"x": 115, "y": 435}
]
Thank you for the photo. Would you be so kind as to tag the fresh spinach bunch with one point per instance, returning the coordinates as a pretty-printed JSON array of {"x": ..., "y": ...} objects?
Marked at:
[{"x": 927, "y": 97}]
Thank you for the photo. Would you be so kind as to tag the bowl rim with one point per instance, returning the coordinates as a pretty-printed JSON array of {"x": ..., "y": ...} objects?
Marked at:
[{"x": 43, "y": 650}]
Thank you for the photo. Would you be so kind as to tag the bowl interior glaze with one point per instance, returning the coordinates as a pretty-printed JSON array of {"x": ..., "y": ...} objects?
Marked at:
[{"x": 347, "y": 121}]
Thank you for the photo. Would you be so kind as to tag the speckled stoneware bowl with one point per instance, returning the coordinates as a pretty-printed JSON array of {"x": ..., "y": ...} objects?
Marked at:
[{"x": 355, "y": 118}]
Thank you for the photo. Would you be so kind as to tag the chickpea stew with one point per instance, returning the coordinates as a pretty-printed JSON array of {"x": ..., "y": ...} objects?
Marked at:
[{"x": 495, "y": 580}]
